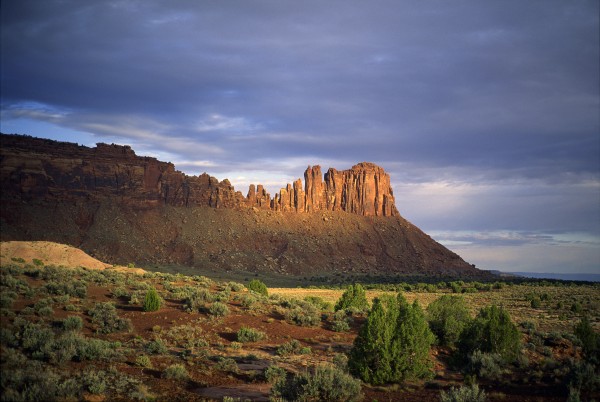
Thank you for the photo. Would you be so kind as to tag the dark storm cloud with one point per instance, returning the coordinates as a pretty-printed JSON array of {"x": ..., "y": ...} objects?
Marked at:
[{"x": 500, "y": 95}]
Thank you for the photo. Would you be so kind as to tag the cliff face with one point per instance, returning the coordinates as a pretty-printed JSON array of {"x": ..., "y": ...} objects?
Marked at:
[
  {"x": 120, "y": 208},
  {"x": 35, "y": 168}
]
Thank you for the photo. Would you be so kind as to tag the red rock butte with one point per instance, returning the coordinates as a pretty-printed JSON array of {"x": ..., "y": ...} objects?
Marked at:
[
  {"x": 120, "y": 208},
  {"x": 39, "y": 168}
]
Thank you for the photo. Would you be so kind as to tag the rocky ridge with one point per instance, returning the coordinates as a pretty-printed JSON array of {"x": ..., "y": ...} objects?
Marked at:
[
  {"x": 34, "y": 168},
  {"x": 121, "y": 208}
]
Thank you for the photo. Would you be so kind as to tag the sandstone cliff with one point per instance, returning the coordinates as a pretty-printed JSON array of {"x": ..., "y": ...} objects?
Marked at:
[
  {"x": 34, "y": 168},
  {"x": 120, "y": 207}
]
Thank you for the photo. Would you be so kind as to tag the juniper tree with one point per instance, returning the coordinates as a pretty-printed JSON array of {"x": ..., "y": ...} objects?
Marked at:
[
  {"x": 258, "y": 286},
  {"x": 354, "y": 297},
  {"x": 393, "y": 344},
  {"x": 152, "y": 301},
  {"x": 492, "y": 331},
  {"x": 447, "y": 318}
]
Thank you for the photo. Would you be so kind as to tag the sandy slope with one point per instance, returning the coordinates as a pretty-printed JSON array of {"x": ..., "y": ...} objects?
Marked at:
[{"x": 52, "y": 254}]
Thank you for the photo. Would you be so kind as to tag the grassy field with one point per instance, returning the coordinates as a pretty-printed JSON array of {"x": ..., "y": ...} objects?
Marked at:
[{"x": 554, "y": 314}]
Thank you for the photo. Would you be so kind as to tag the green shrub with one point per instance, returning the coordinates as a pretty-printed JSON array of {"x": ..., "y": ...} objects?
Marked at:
[
  {"x": 456, "y": 287},
  {"x": 492, "y": 331},
  {"x": 485, "y": 365},
  {"x": 447, "y": 318},
  {"x": 536, "y": 302},
  {"x": 583, "y": 376},
  {"x": 466, "y": 393},
  {"x": 29, "y": 380},
  {"x": 341, "y": 321},
  {"x": 143, "y": 361},
  {"x": 354, "y": 297},
  {"x": 176, "y": 372},
  {"x": 67, "y": 286},
  {"x": 323, "y": 383},
  {"x": 590, "y": 340},
  {"x": 246, "y": 334},
  {"x": 36, "y": 339},
  {"x": 393, "y": 344},
  {"x": 235, "y": 286},
  {"x": 577, "y": 308},
  {"x": 105, "y": 316},
  {"x": 340, "y": 360},
  {"x": 156, "y": 347},
  {"x": 72, "y": 323},
  {"x": 197, "y": 299},
  {"x": 152, "y": 301},
  {"x": 274, "y": 374},
  {"x": 292, "y": 347},
  {"x": 227, "y": 364},
  {"x": 38, "y": 262},
  {"x": 258, "y": 286},
  {"x": 7, "y": 299},
  {"x": 319, "y": 303},
  {"x": 119, "y": 291},
  {"x": 306, "y": 315},
  {"x": 218, "y": 309}
]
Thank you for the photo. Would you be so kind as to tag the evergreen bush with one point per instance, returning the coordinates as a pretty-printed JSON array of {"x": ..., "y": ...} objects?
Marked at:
[
  {"x": 492, "y": 331},
  {"x": 258, "y": 286},
  {"x": 447, "y": 317},
  {"x": 354, "y": 297},
  {"x": 393, "y": 344},
  {"x": 590, "y": 340},
  {"x": 176, "y": 372},
  {"x": 152, "y": 301}
]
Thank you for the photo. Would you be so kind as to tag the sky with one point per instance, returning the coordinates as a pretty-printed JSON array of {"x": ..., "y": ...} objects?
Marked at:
[{"x": 486, "y": 114}]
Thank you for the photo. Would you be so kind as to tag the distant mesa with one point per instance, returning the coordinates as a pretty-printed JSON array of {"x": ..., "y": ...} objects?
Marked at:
[{"x": 34, "y": 168}]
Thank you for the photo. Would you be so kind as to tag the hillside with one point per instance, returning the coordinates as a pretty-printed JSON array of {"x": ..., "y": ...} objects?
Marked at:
[{"x": 123, "y": 208}]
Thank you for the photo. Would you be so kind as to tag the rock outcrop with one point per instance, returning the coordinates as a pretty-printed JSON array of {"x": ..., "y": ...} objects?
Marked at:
[
  {"x": 34, "y": 168},
  {"x": 120, "y": 208}
]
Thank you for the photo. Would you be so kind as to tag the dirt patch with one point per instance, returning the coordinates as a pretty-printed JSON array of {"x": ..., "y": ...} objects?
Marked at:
[{"x": 50, "y": 253}]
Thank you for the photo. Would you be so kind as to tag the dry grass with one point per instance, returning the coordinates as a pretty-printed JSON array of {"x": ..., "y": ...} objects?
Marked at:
[{"x": 548, "y": 317}]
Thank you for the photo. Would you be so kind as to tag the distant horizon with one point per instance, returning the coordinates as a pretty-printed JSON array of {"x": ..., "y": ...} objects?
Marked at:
[
  {"x": 560, "y": 276},
  {"x": 484, "y": 114}
]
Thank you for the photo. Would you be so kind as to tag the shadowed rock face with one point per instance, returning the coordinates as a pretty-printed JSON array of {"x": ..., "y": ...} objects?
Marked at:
[{"x": 121, "y": 207}]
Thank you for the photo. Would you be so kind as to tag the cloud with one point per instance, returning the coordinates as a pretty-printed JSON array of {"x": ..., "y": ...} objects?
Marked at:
[{"x": 485, "y": 114}]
